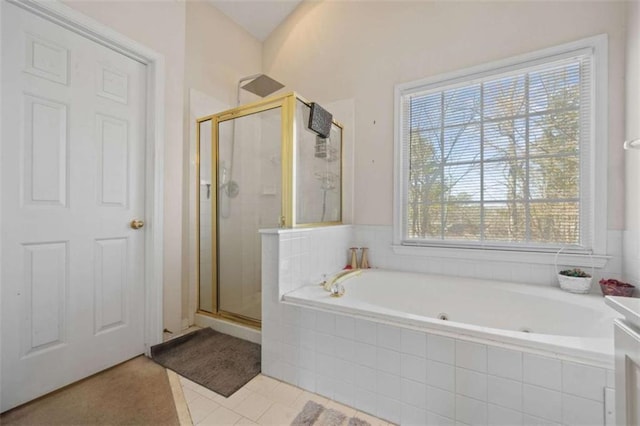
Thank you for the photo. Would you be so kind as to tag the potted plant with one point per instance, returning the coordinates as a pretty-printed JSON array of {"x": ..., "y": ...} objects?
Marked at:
[{"x": 574, "y": 281}]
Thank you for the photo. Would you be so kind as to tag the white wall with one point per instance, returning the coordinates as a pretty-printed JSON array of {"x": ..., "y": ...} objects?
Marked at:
[
  {"x": 338, "y": 49},
  {"x": 218, "y": 52},
  {"x": 161, "y": 27},
  {"x": 631, "y": 236}
]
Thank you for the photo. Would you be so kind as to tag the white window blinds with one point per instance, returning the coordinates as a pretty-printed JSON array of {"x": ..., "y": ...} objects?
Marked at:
[{"x": 500, "y": 159}]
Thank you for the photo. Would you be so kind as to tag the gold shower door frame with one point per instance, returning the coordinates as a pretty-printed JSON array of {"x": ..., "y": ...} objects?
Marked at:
[{"x": 287, "y": 103}]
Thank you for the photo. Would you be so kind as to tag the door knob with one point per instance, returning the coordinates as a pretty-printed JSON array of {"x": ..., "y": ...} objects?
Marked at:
[{"x": 137, "y": 224}]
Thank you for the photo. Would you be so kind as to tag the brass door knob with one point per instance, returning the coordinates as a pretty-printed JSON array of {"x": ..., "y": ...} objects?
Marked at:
[{"x": 137, "y": 224}]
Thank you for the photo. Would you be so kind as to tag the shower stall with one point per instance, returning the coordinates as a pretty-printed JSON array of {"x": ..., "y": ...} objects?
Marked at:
[{"x": 260, "y": 166}]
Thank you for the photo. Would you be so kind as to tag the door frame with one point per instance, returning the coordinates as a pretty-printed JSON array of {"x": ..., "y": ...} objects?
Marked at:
[{"x": 69, "y": 18}]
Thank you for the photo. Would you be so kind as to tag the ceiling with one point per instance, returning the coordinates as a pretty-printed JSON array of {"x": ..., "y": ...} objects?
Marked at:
[{"x": 258, "y": 17}]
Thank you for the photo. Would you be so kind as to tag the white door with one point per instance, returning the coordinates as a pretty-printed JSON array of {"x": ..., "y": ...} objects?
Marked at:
[{"x": 72, "y": 180}]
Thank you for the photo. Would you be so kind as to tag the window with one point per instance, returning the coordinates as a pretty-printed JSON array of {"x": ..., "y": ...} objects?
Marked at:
[{"x": 500, "y": 157}]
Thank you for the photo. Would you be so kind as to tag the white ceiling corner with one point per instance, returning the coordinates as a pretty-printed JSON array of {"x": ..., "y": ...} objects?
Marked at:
[{"x": 258, "y": 17}]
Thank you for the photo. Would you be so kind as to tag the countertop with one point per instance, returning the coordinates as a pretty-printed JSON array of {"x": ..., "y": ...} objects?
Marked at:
[{"x": 627, "y": 306}]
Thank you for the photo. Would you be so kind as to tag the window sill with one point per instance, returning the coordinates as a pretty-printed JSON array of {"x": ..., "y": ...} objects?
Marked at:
[{"x": 539, "y": 258}]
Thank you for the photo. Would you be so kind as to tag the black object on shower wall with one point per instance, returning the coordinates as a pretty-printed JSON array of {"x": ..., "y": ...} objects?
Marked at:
[{"x": 320, "y": 120}]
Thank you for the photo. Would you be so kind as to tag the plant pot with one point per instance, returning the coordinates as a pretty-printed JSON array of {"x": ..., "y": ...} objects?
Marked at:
[{"x": 578, "y": 285}]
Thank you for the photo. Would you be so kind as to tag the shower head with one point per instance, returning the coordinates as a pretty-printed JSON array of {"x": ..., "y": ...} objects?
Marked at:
[{"x": 262, "y": 85}]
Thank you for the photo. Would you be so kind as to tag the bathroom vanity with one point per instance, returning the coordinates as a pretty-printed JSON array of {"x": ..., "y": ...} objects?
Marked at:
[{"x": 627, "y": 359}]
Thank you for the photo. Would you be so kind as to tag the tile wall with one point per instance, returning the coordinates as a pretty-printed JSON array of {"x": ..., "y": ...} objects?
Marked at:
[
  {"x": 379, "y": 240},
  {"x": 402, "y": 375}
]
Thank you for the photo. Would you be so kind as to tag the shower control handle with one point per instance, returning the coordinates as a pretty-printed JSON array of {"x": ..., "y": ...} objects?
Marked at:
[{"x": 136, "y": 224}]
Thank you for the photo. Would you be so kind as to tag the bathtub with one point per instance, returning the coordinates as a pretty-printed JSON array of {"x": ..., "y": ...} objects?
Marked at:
[{"x": 529, "y": 318}]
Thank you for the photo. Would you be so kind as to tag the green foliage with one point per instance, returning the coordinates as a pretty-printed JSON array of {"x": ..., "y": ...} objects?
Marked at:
[{"x": 577, "y": 273}]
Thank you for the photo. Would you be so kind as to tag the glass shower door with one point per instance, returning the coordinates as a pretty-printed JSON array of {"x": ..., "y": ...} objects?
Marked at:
[
  {"x": 249, "y": 198},
  {"x": 259, "y": 167},
  {"x": 206, "y": 191}
]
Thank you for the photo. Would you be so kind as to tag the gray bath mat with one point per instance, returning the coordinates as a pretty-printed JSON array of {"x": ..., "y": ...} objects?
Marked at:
[
  {"x": 214, "y": 360},
  {"x": 314, "y": 414}
]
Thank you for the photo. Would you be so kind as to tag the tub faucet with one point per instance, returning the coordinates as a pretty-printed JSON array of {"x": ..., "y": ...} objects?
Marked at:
[{"x": 340, "y": 276}]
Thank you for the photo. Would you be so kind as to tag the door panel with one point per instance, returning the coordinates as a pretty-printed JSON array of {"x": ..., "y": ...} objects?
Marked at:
[
  {"x": 45, "y": 152},
  {"x": 45, "y": 282},
  {"x": 46, "y": 59},
  {"x": 72, "y": 167},
  {"x": 110, "y": 284},
  {"x": 113, "y": 153}
]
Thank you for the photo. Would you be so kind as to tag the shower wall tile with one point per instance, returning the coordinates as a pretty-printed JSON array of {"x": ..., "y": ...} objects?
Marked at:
[
  {"x": 366, "y": 331},
  {"x": 414, "y": 342},
  {"x": 325, "y": 322},
  {"x": 413, "y": 416},
  {"x": 544, "y": 403},
  {"x": 441, "y": 349},
  {"x": 472, "y": 356},
  {"x": 584, "y": 381},
  {"x": 414, "y": 393},
  {"x": 471, "y": 411},
  {"x": 581, "y": 411},
  {"x": 504, "y": 392},
  {"x": 345, "y": 327},
  {"x": 346, "y": 348},
  {"x": 440, "y": 375},
  {"x": 542, "y": 371},
  {"x": 441, "y": 402},
  {"x": 505, "y": 363},
  {"x": 389, "y": 409},
  {"x": 434, "y": 419},
  {"x": 388, "y": 360},
  {"x": 389, "y": 336},
  {"x": 501, "y": 416},
  {"x": 471, "y": 383},
  {"x": 290, "y": 259}
]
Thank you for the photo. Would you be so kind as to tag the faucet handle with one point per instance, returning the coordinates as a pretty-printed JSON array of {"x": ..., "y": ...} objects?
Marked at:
[
  {"x": 324, "y": 280},
  {"x": 364, "y": 259},
  {"x": 354, "y": 257},
  {"x": 337, "y": 290}
]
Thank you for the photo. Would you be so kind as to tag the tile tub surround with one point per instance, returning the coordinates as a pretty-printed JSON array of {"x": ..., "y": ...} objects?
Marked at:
[
  {"x": 379, "y": 239},
  {"x": 409, "y": 376},
  {"x": 403, "y": 375},
  {"x": 573, "y": 327}
]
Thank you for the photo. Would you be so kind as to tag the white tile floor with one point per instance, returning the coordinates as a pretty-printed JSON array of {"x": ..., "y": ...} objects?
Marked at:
[{"x": 262, "y": 401}]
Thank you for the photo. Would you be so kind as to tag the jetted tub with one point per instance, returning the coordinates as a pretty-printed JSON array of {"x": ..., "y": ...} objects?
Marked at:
[{"x": 544, "y": 320}]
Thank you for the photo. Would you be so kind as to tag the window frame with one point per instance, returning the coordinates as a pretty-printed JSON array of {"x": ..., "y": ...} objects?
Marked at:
[{"x": 596, "y": 178}]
